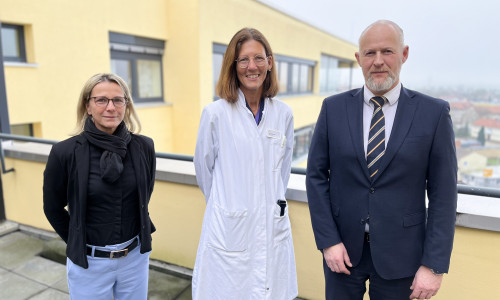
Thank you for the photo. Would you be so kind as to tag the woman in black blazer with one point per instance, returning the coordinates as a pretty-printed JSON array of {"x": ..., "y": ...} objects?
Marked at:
[{"x": 96, "y": 190}]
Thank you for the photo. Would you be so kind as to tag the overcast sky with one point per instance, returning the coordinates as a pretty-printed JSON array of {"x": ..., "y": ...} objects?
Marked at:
[{"x": 452, "y": 42}]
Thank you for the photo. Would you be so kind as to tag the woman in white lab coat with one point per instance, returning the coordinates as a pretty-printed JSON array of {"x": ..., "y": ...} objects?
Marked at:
[{"x": 242, "y": 161}]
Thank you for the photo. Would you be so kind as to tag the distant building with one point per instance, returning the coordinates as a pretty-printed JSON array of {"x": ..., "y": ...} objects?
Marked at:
[
  {"x": 491, "y": 128},
  {"x": 489, "y": 177},
  {"x": 462, "y": 114},
  {"x": 479, "y": 167}
]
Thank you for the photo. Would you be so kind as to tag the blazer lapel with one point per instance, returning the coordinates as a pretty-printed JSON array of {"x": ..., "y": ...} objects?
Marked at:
[
  {"x": 82, "y": 157},
  {"x": 138, "y": 160},
  {"x": 402, "y": 122},
  {"x": 354, "y": 107}
]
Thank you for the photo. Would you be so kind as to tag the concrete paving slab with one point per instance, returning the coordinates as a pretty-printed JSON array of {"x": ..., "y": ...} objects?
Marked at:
[
  {"x": 15, "y": 287},
  {"x": 164, "y": 286},
  {"x": 186, "y": 295},
  {"x": 42, "y": 270},
  {"x": 50, "y": 294},
  {"x": 10, "y": 238},
  {"x": 18, "y": 250},
  {"x": 62, "y": 285},
  {"x": 7, "y": 227},
  {"x": 55, "y": 250},
  {"x": 38, "y": 233},
  {"x": 26, "y": 274}
]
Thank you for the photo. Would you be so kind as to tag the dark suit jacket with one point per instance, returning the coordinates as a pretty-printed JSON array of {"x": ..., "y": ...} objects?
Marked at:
[
  {"x": 420, "y": 156},
  {"x": 65, "y": 184}
]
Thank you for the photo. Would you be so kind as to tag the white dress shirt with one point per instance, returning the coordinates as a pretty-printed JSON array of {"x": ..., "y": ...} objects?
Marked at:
[{"x": 389, "y": 110}]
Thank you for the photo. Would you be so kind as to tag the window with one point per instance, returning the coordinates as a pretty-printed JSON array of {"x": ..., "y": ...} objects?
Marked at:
[
  {"x": 295, "y": 75},
  {"x": 217, "y": 56},
  {"x": 13, "y": 46},
  {"x": 334, "y": 74},
  {"x": 138, "y": 61},
  {"x": 302, "y": 137},
  {"x": 22, "y": 129}
]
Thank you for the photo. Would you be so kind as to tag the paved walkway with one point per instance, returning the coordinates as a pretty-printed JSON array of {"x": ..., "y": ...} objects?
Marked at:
[{"x": 32, "y": 267}]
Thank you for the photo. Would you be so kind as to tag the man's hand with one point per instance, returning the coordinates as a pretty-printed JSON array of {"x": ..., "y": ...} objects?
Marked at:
[
  {"x": 425, "y": 284},
  {"x": 336, "y": 258}
]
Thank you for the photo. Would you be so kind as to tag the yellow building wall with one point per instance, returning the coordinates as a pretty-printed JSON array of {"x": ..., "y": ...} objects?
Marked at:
[
  {"x": 177, "y": 212},
  {"x": 67, "y": 42},
  {"x": 221, "y": 19},
  {"x": 183, "y": 77},
  {"x": 23, "y": 195}
]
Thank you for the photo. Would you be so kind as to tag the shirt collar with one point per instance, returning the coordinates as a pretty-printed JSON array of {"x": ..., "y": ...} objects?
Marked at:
[{"x": 392, "y": 95}]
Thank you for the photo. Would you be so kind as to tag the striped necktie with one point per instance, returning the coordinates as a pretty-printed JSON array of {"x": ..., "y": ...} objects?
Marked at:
[{"x": 376, "y": 137}]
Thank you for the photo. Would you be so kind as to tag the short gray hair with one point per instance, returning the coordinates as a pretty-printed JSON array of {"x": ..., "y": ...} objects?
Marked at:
[{"x": 387, "y": 22}]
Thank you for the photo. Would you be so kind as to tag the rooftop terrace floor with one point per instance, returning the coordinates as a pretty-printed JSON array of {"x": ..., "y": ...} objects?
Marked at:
[{"x": 32, "y": 267}]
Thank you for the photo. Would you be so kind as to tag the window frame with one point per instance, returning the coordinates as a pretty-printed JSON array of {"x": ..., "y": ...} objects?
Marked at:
[
  {"x": 133, "y": 48},
  {"x": 294, "y": 83},
  {"x": 21, "y": 43},
  {"x": 326, "y": 59},
  {"x": 25, "y": 129},
  {"x": 217, "y": 49},
  {"x": 302, "y": 141}
]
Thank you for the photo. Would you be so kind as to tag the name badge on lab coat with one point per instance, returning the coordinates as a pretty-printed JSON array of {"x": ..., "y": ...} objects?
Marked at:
[{"x": 274, "y": 134}]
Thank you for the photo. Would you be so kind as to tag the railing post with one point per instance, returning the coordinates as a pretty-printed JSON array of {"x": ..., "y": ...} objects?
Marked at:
[
  {"x": 4, "y": 111},
  {"x": 2, "y": 159},
  {"x": 2, "y": 206},
  {"x": 4, "y": 120}
]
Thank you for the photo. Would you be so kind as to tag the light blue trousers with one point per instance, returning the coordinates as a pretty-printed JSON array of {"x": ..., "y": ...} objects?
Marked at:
[{"x": 105, "y": 279}]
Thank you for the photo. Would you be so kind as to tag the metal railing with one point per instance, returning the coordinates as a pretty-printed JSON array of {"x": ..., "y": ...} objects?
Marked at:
[{"x": 462, "y": 189}]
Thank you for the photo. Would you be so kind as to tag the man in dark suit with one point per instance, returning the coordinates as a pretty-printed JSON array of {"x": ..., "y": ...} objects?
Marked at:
[{"x": 375, "y": 153}]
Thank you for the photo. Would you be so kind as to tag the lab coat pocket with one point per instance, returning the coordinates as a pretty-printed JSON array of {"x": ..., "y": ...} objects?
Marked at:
[
  {"x": 229, "y": 230},
  {"x": 281, "y": 224}
]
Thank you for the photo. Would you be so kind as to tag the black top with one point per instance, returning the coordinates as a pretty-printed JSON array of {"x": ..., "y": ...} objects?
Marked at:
[
  {"x": 112, "y": 208},
  {"x": 65, "y": 183}
]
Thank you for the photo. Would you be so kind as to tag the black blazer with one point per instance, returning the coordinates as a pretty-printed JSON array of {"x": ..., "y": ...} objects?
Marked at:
[
  {"x": 420, "y": 157},
  {"x": 65, "y": 184}
]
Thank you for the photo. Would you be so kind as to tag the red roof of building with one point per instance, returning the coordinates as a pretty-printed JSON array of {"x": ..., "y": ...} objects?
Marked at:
[
  {"x": 490, "y": 109},
  {"x": 494, "y": 109},
  {"x": 460, "y": 105},
  {"x": 491, "y": 123}
]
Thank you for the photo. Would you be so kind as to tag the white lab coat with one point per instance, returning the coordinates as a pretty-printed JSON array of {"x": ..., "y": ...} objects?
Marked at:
[{"x": 246, "y": 249}]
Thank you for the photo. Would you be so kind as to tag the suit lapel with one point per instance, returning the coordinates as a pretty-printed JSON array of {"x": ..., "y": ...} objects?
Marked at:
[
  {"x": 354, "y": 108},
  {"x": 402, "y": 122}
]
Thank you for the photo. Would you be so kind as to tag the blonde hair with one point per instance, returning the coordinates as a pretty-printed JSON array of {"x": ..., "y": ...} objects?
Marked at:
[
  {"x": 228, "y": 84},
  {"x": 131, "y": 119}
]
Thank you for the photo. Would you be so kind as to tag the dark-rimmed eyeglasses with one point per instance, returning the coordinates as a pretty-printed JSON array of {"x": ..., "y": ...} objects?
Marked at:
[
  {"x": 101, "y": 101},
  {"x": 259, "y": 60}
]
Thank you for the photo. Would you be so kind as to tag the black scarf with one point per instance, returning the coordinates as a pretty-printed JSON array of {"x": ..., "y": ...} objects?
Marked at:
[{"x": 115, "y": 148}]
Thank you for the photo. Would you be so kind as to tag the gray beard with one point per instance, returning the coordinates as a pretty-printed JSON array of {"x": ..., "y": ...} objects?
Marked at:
[{"x": 380, "y": 87}]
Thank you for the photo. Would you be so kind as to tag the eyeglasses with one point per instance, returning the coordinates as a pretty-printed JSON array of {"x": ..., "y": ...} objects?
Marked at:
[
  {"x": 103, "y": 101},
  {"x": 258, "y": 60}
]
